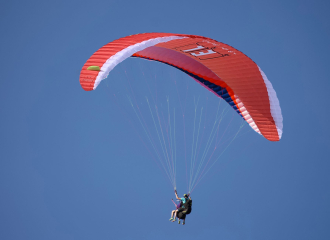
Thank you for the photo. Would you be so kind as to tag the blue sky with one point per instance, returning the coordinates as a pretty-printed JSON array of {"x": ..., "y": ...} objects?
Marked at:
[{"x": 73, "y": 167}]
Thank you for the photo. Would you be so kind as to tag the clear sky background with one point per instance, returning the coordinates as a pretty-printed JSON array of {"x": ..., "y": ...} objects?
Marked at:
[{"x": 73, "y": 167}]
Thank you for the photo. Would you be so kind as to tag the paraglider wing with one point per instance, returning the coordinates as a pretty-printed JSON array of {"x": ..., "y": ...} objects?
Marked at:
[{"x": 220, "y": 68}]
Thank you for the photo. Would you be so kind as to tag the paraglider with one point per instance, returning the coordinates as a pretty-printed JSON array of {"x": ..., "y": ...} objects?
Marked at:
[
  {"x": 183, "y": 208},
  {"x": 218, "y": 67}
]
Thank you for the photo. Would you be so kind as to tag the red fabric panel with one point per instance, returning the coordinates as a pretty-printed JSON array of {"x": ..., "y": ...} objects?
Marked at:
[
  {"x": 184, "y": 62},
  {"x": 238, "y": 71},
  {"x": 87, "y": 78}
]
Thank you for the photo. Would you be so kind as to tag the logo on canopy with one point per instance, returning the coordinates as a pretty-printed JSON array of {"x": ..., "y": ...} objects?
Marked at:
[{"x": 202, "y": 51}]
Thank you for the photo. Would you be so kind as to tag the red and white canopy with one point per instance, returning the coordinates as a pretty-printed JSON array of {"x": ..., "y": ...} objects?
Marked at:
[{"x": 222, "y": 69}]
